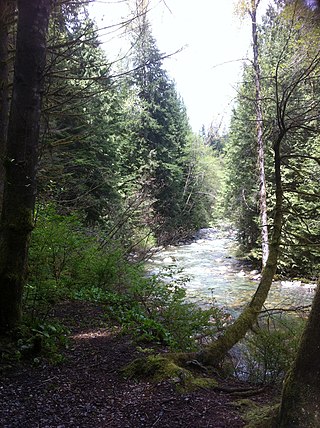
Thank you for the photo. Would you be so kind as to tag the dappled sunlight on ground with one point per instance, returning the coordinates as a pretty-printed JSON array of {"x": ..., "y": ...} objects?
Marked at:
[{"x": 92, "y": 334}]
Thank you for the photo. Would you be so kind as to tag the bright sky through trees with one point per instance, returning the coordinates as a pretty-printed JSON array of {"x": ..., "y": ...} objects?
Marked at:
[{"x": 214, "y": 41}]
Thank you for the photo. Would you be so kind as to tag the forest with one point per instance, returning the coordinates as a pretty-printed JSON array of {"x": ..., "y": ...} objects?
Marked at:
[{"x": 100, "y": 170}]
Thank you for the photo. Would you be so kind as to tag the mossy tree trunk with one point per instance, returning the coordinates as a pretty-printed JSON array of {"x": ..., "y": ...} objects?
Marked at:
[
  {"x": 300, "y": 405},
  {"x": 21, "y": 156},
  {"x": 217, "y": 350}
]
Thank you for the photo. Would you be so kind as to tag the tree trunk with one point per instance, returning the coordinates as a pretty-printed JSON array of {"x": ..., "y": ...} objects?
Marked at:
[
  {"x": 4, "y": 92},
  {"x": 300, "y": 406},
  {"x": 259, "y": 125},
  {"x": 217, "y": 350},
  {"x": 21, "y": 156}
]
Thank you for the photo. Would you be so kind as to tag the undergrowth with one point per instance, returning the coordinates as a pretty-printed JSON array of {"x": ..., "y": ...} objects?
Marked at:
[
  {"x": 67, "y": 263},
  {"x": 34, "y": 341}
]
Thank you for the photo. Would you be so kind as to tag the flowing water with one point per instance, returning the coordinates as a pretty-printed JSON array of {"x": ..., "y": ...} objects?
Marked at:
[{"x": 215, "y": 274}]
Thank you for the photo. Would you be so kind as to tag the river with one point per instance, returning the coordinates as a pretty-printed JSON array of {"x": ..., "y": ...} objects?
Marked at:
[{"x": 216, "y": 275}]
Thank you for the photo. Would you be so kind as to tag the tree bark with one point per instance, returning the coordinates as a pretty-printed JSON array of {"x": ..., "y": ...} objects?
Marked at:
[
  {"x": 21, "y": 156},
  {"x": 5, "y": 9},
  {"x": 300, "y": 405},
  {"x": 217, "y": 350},
  {"x": 259, "y": 126}
]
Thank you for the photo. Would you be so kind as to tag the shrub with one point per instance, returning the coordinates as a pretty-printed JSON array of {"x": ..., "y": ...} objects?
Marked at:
[
  {"x": 271, "y": 349},
  {"x": 156, "y": 311},
  {"x": 34, "y": 340},
  {"x": 64, "y": 259}
]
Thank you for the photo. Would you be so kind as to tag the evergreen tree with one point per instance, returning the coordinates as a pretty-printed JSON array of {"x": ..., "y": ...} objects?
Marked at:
[
  {"x": 158, "y": 136},
  {"x": 242, "y": 189},
  {"x": 78, "y": 169}
]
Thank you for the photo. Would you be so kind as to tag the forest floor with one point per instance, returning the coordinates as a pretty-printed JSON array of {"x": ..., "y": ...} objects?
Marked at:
[{"x": 87, "y": 389}]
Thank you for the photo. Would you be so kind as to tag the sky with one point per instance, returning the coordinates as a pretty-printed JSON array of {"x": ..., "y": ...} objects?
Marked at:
[{"x": 215, "y": 44}]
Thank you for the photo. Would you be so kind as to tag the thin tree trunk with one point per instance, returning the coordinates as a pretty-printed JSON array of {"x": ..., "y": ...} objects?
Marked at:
[
  {"x": 300, "y": 405},
  {"x": 260, "y": 145},
  {"x": 21, "y": 156},
  {"x": 217, "y": 350}
]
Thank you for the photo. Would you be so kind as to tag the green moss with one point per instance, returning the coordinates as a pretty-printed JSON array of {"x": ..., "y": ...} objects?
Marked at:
[
  {"x": 195, "y": 383},
  {"x": 156, "y": 368},
  {"x": 245, "y": 403},
  {"x": 257, "y": 416},
  {"x": 263, "y": 417}
]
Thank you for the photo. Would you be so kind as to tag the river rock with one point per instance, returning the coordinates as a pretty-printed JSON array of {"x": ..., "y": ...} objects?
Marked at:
[
  {"x": 290, "y": 284},
  {"x": 309, "y": 287},
  {"x": 241, "y": 274},
  {"x": 168, "y": 260}
]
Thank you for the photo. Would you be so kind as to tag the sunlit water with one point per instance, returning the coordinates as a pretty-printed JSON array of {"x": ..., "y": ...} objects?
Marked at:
[{"x": 216, "y": 275}]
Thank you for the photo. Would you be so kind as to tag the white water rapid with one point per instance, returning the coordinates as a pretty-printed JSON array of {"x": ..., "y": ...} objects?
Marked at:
[{"x": 215, "y": 274}]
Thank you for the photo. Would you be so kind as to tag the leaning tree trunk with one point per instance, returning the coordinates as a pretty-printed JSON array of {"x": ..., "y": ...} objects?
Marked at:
[
  {"x": 21, "y": 156},
  {"x": 300, "y": 405},
  {"x": 217, "y": 350}
]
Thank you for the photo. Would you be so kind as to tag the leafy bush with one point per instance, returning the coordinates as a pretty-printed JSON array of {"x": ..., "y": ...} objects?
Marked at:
[
  {"x": 165, "y": 309},
  {"x": 34, "y": 340},
  {"x": 63, "y": 259},
  {"x": 42, "y": 338},
  {"x": 55, "y": 250},
  {"x": 153, "y": 310}
]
